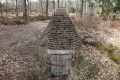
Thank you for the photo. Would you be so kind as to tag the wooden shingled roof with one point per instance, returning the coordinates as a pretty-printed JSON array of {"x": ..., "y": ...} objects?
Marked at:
[{"x": 61, "y": 33}]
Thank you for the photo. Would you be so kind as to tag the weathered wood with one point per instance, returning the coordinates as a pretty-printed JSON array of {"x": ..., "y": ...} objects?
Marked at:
[{"x": 61, "y": 62}]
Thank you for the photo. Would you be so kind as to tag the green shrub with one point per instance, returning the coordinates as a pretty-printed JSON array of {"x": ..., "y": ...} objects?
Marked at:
[{"x": 71, "y": 10}]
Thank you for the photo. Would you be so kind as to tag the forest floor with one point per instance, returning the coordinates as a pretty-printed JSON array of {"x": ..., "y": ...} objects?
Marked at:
[
  {"x": 98, "y": 38},
  {"x": 21, "y": 54},
  {"x": 17, "y": 53}
]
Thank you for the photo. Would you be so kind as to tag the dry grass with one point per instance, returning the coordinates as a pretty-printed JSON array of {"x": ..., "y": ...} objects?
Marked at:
[
  {"x": 11, "y": 19},
  {"x": 39, "y": 18},
  {"x": 111, "y": 24},
  {"x": 11, "y": 15},
  {"x": 90, "y": 21},
  {"x": 19, "y": 20},
  {"x": 86, "y": 21}
]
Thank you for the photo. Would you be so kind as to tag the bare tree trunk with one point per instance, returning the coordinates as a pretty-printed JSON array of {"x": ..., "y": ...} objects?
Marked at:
[
  {"x": 65, "y": 4},
  {"x": 81, "y": 10},
  {"x": 41, "y": 5},
  {"x": 1, "y": 12},
  {"x": 62, "y": 3},
  {"x": 1, "y": 8},
  {"x": 53, "y": 3},
  {"x": 30, "y": 6},
  {"x": 84, "y": 8},
  {"x": 17, "y": 8},
  {"x": 6, "y": 7},
  {"x": 58, "y": 3},
  {"x": 24, "y": 10},
  {"x": 46, "y": 8}
]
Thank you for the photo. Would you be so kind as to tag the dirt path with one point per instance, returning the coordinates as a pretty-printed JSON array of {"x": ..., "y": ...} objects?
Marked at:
[
  {"x": 20, "y": 35},
  {"x": 19, "y": 51}
]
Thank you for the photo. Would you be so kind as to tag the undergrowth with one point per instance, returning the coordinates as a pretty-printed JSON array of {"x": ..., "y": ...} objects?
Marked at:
[
  {"x": 20, "y": 20},
  {"x": 39, "y": 18},
  {"x": 62, "y": 78},
  {"x": 12, "y": 21},
  {"x": 84, "y": 70},
  {"x": 109, "y": 48}
]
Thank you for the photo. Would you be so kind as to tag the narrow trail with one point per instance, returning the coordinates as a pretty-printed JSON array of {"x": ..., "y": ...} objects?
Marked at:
[
  {"x": 19, "y": 35},
  {"x": 18, "y": 51}
]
